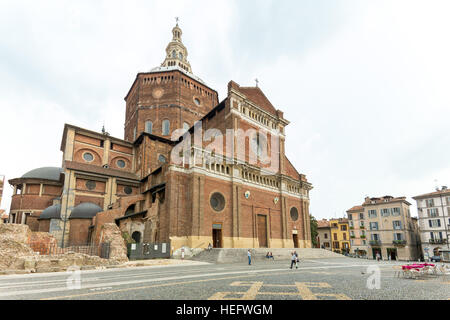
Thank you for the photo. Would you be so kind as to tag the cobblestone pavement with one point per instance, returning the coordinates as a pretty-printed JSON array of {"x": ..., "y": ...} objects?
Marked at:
[{"x": 345, "y": 278}]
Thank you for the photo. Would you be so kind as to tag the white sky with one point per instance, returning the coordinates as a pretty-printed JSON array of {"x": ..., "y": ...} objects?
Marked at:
[{"x": 365, "y": 84}]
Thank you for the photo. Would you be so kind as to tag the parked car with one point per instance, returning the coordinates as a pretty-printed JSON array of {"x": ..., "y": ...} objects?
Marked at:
[{"x": 435, "y": 259}]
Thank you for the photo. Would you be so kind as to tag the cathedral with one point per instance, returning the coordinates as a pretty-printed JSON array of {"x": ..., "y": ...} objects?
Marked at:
[{"x": 191, "y": 170}]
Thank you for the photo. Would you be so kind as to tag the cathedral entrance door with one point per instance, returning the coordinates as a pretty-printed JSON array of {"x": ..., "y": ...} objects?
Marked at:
[
  {"x": 217, "y": 236},
  {"x": 262, "y": 231}
]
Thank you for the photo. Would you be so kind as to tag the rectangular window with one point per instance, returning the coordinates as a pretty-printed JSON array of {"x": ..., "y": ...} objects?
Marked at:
[
  {"x": 361, "y": 216},
  {"x": 345, "y": 236},
  {"x": 398, "y": 236},
  {"x": 335, "y": 236},
  {"x": 372, "y": 214},
  {"x": 325, "y": 235},
  {"x": 429, "y": 202},
  {"x": 436, "y": 223},
  {"x": 433, "y": 212},
  {"x": 350, "y": 217},
  {"x": 375, "y": 237},
  {"x": 385, "y": 212},
  {"x": 397, "y": 225},
  {"x": 395, "y": 211},
  {"x": 374, "y": 226},
  {"x": 343, "y": 227}
]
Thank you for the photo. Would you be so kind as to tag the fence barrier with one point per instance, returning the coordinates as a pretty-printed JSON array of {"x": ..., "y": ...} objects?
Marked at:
[
  {"x": 101, "y": 250},
  {"x": 143, "y": 251}
]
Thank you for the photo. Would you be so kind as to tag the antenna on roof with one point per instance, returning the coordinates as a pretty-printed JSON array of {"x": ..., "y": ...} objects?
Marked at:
[
  {"x": 436, "y": 186},
  {"x": 257, "y": 82}
]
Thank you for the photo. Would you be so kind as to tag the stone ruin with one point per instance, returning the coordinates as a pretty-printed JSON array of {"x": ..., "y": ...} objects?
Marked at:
[{"x": 16, "y": 253}]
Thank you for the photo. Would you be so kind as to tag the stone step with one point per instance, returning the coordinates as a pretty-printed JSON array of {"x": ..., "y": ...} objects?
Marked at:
[{"x": 240, "y": 255}]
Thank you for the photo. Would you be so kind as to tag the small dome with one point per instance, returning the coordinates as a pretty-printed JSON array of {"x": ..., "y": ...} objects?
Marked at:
[
  {"x": 85, "y": 210},
  {"x": 52, "y": 212},
  {"x": 46, "y": 173}
]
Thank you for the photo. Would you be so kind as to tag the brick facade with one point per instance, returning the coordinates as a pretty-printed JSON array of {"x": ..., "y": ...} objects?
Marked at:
[{"x": 222, "y": 191}]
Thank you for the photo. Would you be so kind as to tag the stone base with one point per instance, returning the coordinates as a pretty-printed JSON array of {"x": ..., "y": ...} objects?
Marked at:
[{"x": 230, "y": 242}]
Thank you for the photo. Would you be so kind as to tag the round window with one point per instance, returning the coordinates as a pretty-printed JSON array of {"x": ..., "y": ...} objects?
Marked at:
[
  {"x": 294, "y": 214},
  {"x": 88, "y": 157},
  {"x": 197, "y": 101},
  {"x": 217, "y": 201},
  {"x": 161, "y": 158},
  {"x": 90, "y": 185},
  {"x": 121, "y": 163},
  {"x": 128, "y": 190}
]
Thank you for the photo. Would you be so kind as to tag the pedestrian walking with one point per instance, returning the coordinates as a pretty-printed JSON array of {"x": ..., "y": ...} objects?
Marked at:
[
  {"x": 293, "y": 260},
  {"x": 296, "y": 259},
  {"x": 378, "y": 256},
  {"x": 182, "y": 253},
  {"x": 249, "y": 254}
]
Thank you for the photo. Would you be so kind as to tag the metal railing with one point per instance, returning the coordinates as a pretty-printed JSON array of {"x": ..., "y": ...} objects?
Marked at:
[{"x": 101, "y": 250}]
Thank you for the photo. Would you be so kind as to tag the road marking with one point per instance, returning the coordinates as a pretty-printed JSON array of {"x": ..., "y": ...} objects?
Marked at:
[
  {"x": 144, "y": 287},
  {"x": 303, "y": 289},
  {"x": 119, "y": 283}
]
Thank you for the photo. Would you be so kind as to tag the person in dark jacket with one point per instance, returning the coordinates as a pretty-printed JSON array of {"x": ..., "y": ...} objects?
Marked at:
[{"x": 294, "y": 260}]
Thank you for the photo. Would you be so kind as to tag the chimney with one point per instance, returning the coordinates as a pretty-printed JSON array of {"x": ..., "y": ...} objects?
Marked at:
[{"x": 444, "y": 188}]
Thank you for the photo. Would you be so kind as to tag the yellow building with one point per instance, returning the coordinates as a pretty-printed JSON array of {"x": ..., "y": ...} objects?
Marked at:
[{"x": 340, "y": 236}]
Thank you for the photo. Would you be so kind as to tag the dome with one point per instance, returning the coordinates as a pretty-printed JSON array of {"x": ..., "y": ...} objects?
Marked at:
[
  {"x": 46, "y": 173},
  {"x": 52, "y": 212},
  {"x": 85, "y": 210}
]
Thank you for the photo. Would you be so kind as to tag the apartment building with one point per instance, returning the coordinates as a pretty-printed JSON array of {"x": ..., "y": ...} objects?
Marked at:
[
  {"x": 340, "y": 236},
  {"x": 434, "y": 221},
  {"x": 323, "y": 234},
  {"x": 357, "y": 229},
  {"x": 389, "y": 229}
]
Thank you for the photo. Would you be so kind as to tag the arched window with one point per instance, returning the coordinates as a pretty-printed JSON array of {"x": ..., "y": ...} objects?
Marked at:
[
  {"x": 148, "y": 126},
  {"x": 181, "y": 56},
  {"x": 165, "y": 127},
  {"x": 174, "y": 54}
]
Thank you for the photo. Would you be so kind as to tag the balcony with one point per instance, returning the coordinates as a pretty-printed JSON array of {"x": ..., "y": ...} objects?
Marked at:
[
  {"x": 363, "y": 236},
  {"x": 375, "y": 243},
  {"x": 438, "y": 241},
  {"x": 399, "y": 242}
]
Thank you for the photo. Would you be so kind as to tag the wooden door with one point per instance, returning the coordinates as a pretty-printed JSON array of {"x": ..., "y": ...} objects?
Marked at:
[
  {"x": 217, "y": 238},
  {"x": 262, "y": 231},
  {"x": 295, "y": 238}
]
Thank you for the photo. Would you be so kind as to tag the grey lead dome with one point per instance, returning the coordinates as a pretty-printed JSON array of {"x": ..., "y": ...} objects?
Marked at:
[
  {"x": 85, "y": 210},
  {"x": 46, "y": 173},
  {"x": 52, "y": 212}
]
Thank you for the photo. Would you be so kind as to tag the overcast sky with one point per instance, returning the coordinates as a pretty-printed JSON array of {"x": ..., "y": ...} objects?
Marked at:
[{"x": 365, "y": 84}]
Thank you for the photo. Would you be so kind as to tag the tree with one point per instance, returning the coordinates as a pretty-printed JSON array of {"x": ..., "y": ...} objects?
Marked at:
[{"x": 314, "y": 233}]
